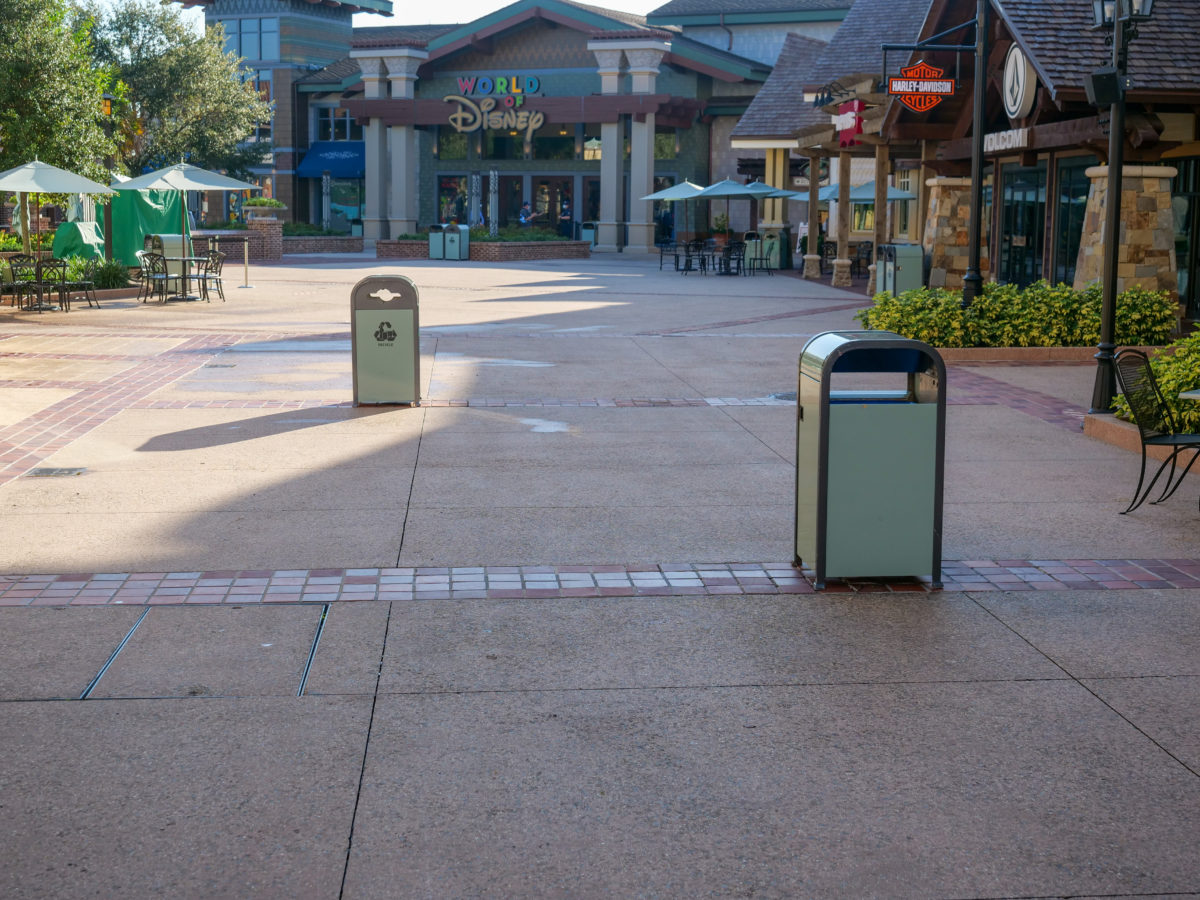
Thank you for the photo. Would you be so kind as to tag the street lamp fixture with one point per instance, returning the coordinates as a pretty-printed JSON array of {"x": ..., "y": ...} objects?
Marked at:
[
  {"x": 1122, "y": 17},
  {"x": 106, "y": 107}
]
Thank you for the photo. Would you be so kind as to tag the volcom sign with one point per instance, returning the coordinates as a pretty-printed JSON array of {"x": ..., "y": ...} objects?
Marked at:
[{"x": 1020, "y": 84}]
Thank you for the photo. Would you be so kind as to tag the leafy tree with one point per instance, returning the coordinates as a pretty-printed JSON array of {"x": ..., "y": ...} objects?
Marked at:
[
  {"x": 185, "y": 97},
  {"x": 50, "y": 91}
]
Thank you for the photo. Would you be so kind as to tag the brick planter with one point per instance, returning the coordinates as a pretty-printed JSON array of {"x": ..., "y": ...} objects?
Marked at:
[
  {"x": 491, "y": 251},
  {"x": 322, "y": 244}
]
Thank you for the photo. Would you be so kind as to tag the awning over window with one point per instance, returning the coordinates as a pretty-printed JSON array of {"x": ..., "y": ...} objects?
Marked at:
[{"x": 342, "y": 159}]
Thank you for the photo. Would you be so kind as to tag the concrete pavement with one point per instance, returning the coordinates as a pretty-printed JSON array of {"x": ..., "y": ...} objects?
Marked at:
[{"x": 538, "y": 636}]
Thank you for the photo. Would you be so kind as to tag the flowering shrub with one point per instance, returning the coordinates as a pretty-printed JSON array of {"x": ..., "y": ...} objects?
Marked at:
[{"x": 1003, "y": 315}]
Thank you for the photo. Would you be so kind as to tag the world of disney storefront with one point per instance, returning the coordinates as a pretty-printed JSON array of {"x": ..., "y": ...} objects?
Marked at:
[{"x": 542, "y": 107}]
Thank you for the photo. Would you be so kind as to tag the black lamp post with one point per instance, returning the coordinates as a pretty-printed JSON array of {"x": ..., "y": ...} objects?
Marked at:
[{"x": 1109, "y": 85}]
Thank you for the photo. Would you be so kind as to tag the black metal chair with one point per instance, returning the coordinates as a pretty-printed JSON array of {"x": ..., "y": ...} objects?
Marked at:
[
  {"x": 210, "y": 275},
  {"x": 1156, "y": 425},
  {"x": 85, "y": 285},
  {"x": 829, "y": 252},
  {"x": 863, "y": 257},
  {"x": 52, "y": 278},
  {"x": 22, "y": 273},
  {"x": 695, "y": 258}
]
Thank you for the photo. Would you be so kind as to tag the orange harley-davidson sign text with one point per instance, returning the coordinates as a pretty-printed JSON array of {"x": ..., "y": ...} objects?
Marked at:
[{"x": 921, "y": 87}]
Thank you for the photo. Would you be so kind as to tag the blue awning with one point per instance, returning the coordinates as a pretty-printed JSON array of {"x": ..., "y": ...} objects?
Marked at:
[{"x": 342, "y": 159}]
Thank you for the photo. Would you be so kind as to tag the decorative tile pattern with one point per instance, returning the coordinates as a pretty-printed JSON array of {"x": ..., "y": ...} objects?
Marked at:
[{"x": 572, "y": 582}]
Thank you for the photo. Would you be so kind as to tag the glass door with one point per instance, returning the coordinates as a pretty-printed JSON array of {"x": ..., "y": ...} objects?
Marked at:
[
  {"x": 1022, "y": 224},
  {"x": 1185, "y": 201},
  {"x": 1072, "y": 186}
]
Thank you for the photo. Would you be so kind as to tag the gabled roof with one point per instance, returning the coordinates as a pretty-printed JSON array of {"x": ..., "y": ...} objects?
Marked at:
[
  {"x": 704, "y": 12},
  {"x": 597, "y": 23},
  {"x": 856, "y": 47},
  {"x": 1063, "y": 45},
  {"x": 779, "y": 108}
]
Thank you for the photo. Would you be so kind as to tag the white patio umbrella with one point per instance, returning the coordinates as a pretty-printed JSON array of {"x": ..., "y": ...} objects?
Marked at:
[
  {"x": 185, "y": 177},
  {"x": 42, "y": 178},
  {"x": 685, "y": 190}
]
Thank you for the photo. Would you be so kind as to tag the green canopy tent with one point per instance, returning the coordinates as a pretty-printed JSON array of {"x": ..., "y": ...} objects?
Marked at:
[{"x": 136, "y": 214}]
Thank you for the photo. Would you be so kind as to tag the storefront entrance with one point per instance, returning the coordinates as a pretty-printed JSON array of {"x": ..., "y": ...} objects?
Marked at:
[
  {"x": 1022, "y": 224},
  {"x": 1185, "y": 203}
]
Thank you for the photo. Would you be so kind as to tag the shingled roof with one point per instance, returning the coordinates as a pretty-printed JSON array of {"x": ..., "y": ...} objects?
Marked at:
[
  {"x": 779, "y": 109},
  {"x": 711, "y": 7},
  {"x": 856, "y": 46},
  {"x": 1064, "y": 46}
]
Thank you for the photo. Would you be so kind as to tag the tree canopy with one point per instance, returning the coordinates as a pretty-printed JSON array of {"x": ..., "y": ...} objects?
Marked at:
[
  {"x": 185, "y": 98},
  {"x": 51, "y": 91}
]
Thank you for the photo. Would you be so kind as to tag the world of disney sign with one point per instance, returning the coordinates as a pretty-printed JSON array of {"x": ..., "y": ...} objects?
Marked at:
[{"x": 499, "y": 108}]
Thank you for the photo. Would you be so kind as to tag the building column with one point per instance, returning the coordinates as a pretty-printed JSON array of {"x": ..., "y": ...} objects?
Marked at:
[
  {"x": 772, "y": 220},
  {"x": 643, "y": 59},
  {"x": 882, "y": 173},
  {"x": 375, "y": 152},
  {"x": 841, "y": 265},
  {"x": 405, "y": 163},
  {"x": 612, "y": 152},
  {"x": 1146, "y": 249},
  {"x": 812, "y": 252},
  {"x": 945, "y": 238}
]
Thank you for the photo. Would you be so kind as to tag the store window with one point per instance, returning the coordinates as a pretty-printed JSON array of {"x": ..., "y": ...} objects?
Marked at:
[
  {"x": 554, "y": 141},
  {"x": 1073, "y": 186},
  {"x": 254, "y": 39},
  {"x": 336, "y": 125},
  {"x": 451, "y": 144},
  {"x": 905, "y": 210},
  {"x": 1185, "y": 206},
  {"x": 503, "y": 144},
  {"x": 863, "y": 217},
  {"x": 1022, "y": 223},
  {"x": 262, "y": 83},
  {"x": 666, "y": 143},
  {"x": 452, "y": 199}
]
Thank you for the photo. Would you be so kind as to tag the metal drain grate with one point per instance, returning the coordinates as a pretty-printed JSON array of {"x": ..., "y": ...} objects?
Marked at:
[
  {"x": 53, "y": 473},
  {"x": 220, "y": 365}
]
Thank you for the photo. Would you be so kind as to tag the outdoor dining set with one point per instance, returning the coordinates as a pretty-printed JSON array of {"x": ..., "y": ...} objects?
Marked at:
[
  {"x": 743, "y": 257},
  {"x": 32, "y": 282}
]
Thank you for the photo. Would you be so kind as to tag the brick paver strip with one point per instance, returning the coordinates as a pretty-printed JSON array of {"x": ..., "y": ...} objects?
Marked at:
[{"x": 571, "y": 582}]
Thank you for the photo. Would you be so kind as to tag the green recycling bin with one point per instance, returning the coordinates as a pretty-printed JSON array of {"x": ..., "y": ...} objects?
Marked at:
[
  {"x": 901, "y": 267},
  {"x": 870, "y": 456},
  {"x": 385, "y": 357},
  {"x": 458, "y": 242},
  {"x": 437, "y": 241}
]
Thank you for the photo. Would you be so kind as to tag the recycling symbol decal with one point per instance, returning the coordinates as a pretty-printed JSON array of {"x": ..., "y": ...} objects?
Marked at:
[{"x": 385, "y": 333}]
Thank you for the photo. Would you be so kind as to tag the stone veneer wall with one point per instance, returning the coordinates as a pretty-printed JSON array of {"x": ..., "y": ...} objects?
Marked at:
[
  {"x": 1146, "y": 248},
  {"x": 947, "y": 227},
  {"x": 491, "y": 251}
]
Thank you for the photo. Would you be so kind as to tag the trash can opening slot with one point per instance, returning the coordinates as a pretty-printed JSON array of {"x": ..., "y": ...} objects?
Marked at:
[
  {"x": 871, "y": 397},
  {"x": 882, "y": 360}
]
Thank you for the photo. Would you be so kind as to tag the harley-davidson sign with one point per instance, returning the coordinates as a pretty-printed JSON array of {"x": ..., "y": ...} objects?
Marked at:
[{"x": 921, "y": 87}]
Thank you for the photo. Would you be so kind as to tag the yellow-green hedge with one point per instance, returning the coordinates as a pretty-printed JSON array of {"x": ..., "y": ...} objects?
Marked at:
[
  {"x": 1176, "y": 368},
  {"x": 1042, "y": 315}
]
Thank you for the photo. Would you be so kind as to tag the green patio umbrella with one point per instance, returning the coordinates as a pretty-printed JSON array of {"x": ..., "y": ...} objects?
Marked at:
[{"x": 685, "y": 190}]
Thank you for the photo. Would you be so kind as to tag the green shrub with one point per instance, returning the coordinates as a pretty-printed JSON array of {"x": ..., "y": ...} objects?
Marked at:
[
  {"x": 264, "y": 201},
  {"x": 1003, "y": 315},
  {"x": 10, "y": 242},
  {"x": 111, "y": 273},
  {"x": 516, "y": 233},
  {"x": 1176, "y": 368}
]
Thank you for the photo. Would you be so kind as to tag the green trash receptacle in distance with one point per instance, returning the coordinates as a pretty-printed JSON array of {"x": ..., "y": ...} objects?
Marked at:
[
  {"x": 458, "y": 242},
  {"x": 384, "y": 348},
  {"x": 902, "y": 267},
  {"x": 437, "y": 241},
  {"x": 587, "y": 232},
  {"x": 870, "y": 456}
]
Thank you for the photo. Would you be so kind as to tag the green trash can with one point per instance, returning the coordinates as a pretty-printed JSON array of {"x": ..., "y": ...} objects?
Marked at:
[
  {"x": 903, "y": 267},
  {"x": 437, "y": 241},
  {"x": 870, "y": 456},
  {"x": 385, "y": 357},
  {"x": 458, "y": 242},
  {"x": 587, "y": 232}
]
